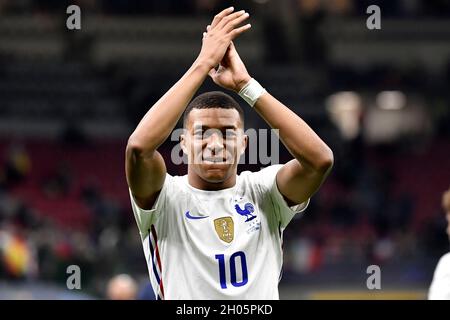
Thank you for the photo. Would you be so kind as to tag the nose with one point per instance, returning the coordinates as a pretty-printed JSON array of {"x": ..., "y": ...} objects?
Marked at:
[{"x": 215, "y": 143}]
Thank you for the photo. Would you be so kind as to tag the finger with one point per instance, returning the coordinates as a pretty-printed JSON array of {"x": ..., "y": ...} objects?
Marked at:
[
  {"x": 231, "y": 17},
  {"x": 235, "y": 22},
  {"x": 236, "y": 32},
  {"x": 204, "y": 34},
  {"x": 220, "y": 15},
  {"x": 208, "y": 27}
]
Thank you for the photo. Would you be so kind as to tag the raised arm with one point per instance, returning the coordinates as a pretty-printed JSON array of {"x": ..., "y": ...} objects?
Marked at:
[
  {"x": 144, "y": 165},
  {"x": 301, "y": 177}
]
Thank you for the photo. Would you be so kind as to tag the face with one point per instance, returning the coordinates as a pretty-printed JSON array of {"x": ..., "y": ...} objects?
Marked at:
[
  {"x": 213, "y": 141},
  {"x": 446, "y": 206}
]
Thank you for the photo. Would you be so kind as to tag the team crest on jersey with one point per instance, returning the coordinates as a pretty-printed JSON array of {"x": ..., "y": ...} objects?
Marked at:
[
  {"x": 225, "y": 228},
  {"x": 247, "y": 211}
]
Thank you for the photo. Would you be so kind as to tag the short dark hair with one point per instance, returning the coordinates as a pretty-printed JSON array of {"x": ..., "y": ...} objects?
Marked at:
[{"x": 210, "y": 100}]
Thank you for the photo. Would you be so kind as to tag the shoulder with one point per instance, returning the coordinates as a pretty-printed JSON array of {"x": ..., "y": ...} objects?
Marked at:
[
  {"x": 444, "y": 262},
  {"x": 263, "y": 178},
  {"x": 175, "y": 184},
  {"x": 443, "y": 266},
  {"x": 440, "y": 286}
]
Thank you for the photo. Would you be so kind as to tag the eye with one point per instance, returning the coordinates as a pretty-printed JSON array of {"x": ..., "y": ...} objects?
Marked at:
[
  {"x": 198, "y": 133},
  {"x": 230, "y": 133}
]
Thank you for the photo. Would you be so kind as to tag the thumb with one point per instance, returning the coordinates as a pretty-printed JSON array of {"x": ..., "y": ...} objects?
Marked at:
[
  {"x": 232, "y": 47},
  {"x": 212, "y": 73},
  {"x": 232, "y": 52}
]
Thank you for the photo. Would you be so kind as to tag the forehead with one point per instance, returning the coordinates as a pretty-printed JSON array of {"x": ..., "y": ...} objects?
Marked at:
[{"x": 214, "y": 118}]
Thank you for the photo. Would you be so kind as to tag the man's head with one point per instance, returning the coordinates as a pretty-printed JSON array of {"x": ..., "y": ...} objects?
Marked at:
[
  {"x": 214, "y": 137},
  {"x": 446, "y": 206},
  {"x": 121, "y": 287}
]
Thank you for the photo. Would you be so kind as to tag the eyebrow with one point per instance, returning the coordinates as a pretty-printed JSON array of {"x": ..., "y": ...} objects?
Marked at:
[{"x": 220, "y": 128}]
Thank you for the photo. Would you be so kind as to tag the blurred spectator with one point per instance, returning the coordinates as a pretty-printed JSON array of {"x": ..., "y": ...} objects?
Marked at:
[
  {"x": 312, "y": 43},
  {"x": 440, "y": 286},
  {"x": 122, "y": 287},
  {"x": 18, "y": 164},
  {"x": 18, "y": 257},
  {"x": 59, "y": 183}
]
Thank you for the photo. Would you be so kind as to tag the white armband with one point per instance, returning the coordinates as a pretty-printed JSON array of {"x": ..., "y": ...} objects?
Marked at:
[{"x": 251, "y": 92}]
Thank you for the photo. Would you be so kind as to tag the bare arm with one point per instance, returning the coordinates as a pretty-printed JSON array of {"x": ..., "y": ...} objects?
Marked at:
[
  {"x": 300, "y": 178},
  {"x": 144, "y": 165}
]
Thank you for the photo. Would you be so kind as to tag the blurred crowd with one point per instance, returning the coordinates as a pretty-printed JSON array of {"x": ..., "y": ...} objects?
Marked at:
[
  {"x": 35, "y": 246},
  {"x": 358, "y": 218},
  {"x": 66, "y": 202}
]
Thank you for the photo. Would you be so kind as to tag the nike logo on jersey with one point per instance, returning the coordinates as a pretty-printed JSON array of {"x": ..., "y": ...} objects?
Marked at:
[{"x": 188, "y": 215}]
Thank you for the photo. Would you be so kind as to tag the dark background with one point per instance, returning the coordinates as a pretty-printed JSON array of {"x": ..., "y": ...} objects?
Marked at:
[{"x": 69, "y": 99}]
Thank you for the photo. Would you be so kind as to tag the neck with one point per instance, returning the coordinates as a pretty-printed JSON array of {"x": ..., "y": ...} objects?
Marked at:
[{"x": 197, "y": 182}]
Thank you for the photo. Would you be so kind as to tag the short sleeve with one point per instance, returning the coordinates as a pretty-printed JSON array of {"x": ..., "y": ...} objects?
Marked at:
[
  {"x": 267, "y": 178},
  {"x": 145, "y": 218}
]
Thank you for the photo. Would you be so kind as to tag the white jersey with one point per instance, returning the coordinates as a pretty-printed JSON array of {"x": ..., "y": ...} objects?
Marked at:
[
  {"x": 440, "y": 286},
  {"x": 224, "y": 244}
]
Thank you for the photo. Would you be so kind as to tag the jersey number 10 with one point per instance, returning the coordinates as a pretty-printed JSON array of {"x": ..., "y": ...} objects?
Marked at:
[{"x": 222, "y": 274}]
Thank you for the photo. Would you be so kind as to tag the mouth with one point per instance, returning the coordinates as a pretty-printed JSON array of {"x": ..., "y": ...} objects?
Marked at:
[{"x": 214, "y": 160}]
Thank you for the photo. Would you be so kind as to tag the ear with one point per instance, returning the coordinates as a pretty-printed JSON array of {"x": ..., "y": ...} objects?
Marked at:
[
  {"x": 244, "y": 144},
  {"x": 183, "y": 144}
]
